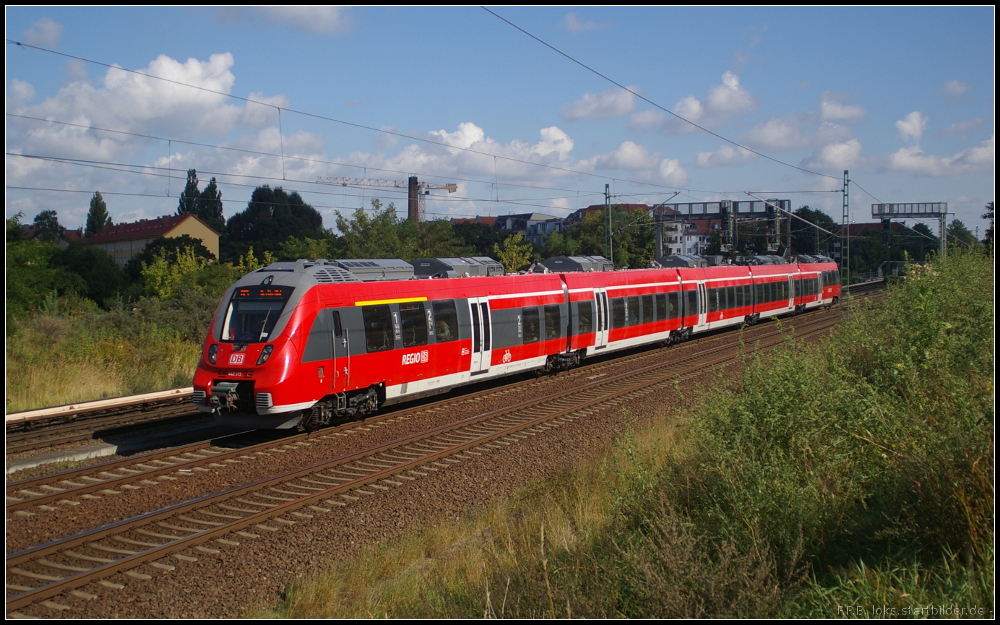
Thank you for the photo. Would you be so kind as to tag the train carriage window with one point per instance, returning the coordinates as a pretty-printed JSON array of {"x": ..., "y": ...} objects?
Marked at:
[
  {"x": 585, "y": 312},
  {"x": 633, "y": 310},
  {"x": 648, "y": 315},
  {"x": 414, "y": 326},
  {"x": 618, "y": 312},
  {"x": 552, "y": 322},
  {"x": 378, "y": 327},
  {"x": 747, "y": 295},
  {"x": 661, "y": 307},
  {"x": 529, "y": 317},
  {"x": 713, "y": 300},
  {"x": 674, "y": 309},
  {"x": 691, "y": 305},
  {"x": 445, "y": 321},
  {"x": 733, "y": 302}
]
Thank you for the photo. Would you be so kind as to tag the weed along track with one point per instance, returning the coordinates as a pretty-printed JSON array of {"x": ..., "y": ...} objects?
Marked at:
[{"x": 68, "y": 576}]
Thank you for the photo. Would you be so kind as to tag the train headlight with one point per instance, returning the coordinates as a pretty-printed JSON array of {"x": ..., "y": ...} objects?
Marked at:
[
  {"x": 264, "y": 355},
  {"x": 213, "y": 353}
]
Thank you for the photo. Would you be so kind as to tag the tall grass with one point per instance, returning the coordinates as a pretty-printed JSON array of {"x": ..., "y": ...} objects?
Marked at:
[
  {"x": 854, "y": 474},
  {"x": 71, "y": 351}
]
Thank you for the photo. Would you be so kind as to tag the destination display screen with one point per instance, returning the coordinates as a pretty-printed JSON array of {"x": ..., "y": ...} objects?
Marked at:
[{"x": 262, "y": 292}]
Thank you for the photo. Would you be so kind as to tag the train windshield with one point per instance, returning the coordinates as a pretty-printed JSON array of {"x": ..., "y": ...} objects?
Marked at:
[{"x": 253, "y": 312}]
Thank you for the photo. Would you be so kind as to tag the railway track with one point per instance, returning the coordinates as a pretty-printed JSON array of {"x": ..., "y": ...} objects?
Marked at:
[
  {"x": 223, "y": 520},
  {"x": 26, "y": 435},
  {"x": 48, "y": 489}
]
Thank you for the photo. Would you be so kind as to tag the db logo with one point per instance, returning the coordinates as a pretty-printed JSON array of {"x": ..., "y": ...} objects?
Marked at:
[
  {"x": 236, "y": 359},
  {"x": 507, "y": 357},
  {"x": 416, "y": 357}
]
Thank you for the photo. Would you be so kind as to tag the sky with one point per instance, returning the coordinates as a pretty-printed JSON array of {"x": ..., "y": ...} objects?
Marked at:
[{"x": 526, "y": 109}]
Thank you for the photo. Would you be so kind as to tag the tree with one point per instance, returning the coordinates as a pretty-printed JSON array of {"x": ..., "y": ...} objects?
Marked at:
[
  {"x": 559, "y": 244},
  {"x": 98, "y": 217},
  {"x": 379, "y": 235},
  {"x": 960, "y": 236},
  {"x": 15, "y": 229},
  {"x": 30, "y": 278},
  {"x": 805, "y": 238},
  {"x": 271, "y": 216},
  {"x": 208, "y": 208},
  {"x": 515, "y": 253},
  {"x": 189, "y": 197},
  {"x": 170, "y": 248},
  {"x": 479, "y": 236},
  {"x": 101, "y": 275},
  {"x": 47, "y": 227},
  {"x": 633, "y": 236},
  {"x": 988, "y": 238}
]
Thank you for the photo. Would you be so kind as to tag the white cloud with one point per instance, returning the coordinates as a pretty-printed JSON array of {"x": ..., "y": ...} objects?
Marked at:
[
  {"x": 44, "y": 32},
  {"x": 779, "y": 133},
  {"x": 690, "y": 108},
  {"x": 574, "y": 25},
  {"x": 832, "y": 108},
  {"x": 730, "y": 97},
  {"x": 74, "y": 70},
  {"x": 645, "y": 120},
  {"x": 610, "y": 103},
  {"x": 725, "y": 156},
  {"x": 963, "y": 129},
  {"x": 467, "y": 135},
  {"x": 913, "y": 125},
  {"x": 628, "y": 155},
  {"x": 672, "y": 173},
  {"x": 723, "y": 102},
  {"x": 260, "y": 111},
  {"x": 19, "y": 93},
  {"x": 322, "y": 20},
  {"x": 976, "y": 159},
  {"x": 836, "y": 155},
  {"x": 955, "y": 88}
]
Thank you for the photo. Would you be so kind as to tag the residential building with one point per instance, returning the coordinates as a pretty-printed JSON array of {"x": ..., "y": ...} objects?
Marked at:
[{"x": 125, "y": 241}]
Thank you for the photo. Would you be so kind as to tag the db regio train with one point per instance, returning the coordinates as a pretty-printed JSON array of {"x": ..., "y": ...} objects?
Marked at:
[{"x": 298, "y": 344}]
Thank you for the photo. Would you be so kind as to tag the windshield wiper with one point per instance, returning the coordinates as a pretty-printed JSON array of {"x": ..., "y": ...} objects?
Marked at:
[{"x": 263, "y": 326}]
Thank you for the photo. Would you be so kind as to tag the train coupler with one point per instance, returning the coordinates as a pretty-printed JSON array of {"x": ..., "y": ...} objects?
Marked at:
[{"x": 223, "y": 396}]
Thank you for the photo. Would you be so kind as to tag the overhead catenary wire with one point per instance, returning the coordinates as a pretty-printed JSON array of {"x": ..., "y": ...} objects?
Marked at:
[
  {"x": 496, "y": 182},
  {"x": 333, "y": 119},
  {"x": 650, "y": 102},
  {"x": 310, "y": 160}
]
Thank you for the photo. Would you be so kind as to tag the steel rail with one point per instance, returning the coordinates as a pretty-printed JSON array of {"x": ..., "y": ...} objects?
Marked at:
[{"x": 422, "y": 447}]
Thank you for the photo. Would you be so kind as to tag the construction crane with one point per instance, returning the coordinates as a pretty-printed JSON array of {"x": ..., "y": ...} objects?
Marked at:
[{"x": 417, "y": 191}]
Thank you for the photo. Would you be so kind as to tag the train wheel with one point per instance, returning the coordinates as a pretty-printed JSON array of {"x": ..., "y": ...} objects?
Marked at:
[{"x": 309, "y": 421}]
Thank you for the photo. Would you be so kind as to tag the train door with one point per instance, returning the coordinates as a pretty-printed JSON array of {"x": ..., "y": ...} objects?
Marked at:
[
  {"x": 479, "y": 308},
  {"x": 702, "y": 304},
  {"x": 341, "y": 355},
  {"x": 603, "y": 322}
]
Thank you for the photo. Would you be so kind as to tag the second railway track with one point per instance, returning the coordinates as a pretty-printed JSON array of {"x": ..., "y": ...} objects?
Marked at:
[{"x": 43, "y": 572}]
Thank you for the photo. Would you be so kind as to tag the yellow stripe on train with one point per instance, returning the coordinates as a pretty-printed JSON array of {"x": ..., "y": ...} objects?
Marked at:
[{"x": 402, "y": 300}]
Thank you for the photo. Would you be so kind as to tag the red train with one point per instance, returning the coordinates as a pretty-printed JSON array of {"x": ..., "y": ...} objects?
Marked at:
[{"x": 299, "y": 343}]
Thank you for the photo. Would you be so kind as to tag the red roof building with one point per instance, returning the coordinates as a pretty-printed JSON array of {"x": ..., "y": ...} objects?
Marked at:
[{"x": 125, "y": 241}]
